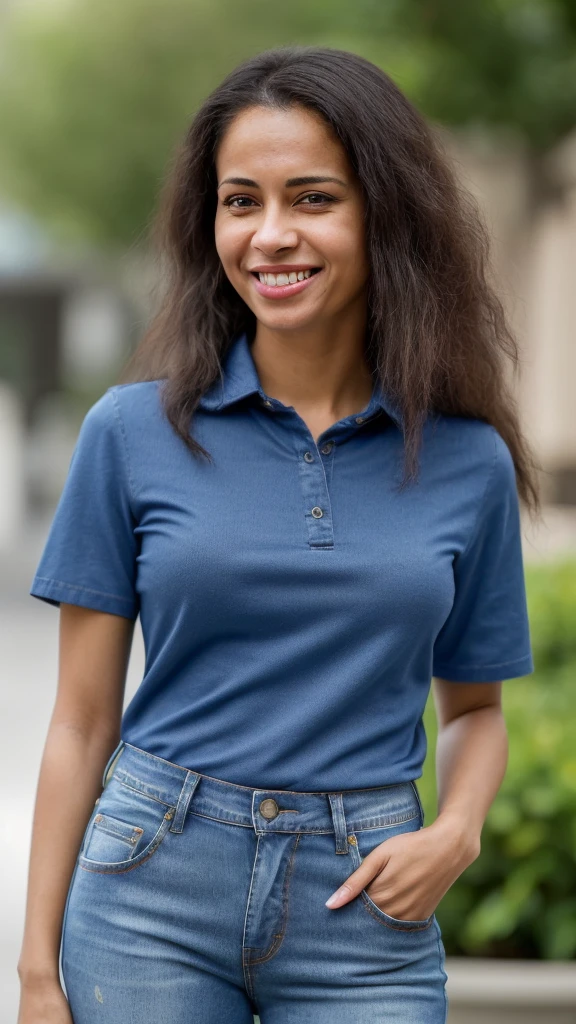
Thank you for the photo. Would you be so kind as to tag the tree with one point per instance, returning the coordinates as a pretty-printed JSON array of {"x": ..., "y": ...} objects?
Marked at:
[{"x": 94, "y": 97}]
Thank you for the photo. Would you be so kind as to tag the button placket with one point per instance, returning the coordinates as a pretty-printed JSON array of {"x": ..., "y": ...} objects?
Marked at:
[{"x": 314, "y": 484}]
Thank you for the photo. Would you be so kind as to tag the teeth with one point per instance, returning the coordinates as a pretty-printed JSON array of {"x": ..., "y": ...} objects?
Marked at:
[{"x": 277, "y": 279}]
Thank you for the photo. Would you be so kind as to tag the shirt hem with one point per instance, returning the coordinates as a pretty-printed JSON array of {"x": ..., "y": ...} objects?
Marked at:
[
  {"x": 55, "y": 591},
  {"x": 487, "y": 674}
]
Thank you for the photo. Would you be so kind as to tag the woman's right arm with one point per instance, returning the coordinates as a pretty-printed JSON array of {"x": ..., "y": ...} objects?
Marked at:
[{"x": 94, "y": 650}]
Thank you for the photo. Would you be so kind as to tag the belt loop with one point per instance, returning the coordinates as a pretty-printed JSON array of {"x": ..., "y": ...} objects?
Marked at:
[
  {"x": 339, "y": 819},
  {"x": 418, "y": 801},
  {"x": 106, "y": 774},
  {"x": 188, "y": 786}
]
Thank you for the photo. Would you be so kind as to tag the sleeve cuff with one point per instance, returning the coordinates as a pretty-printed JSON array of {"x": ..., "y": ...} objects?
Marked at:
[
  {"x": 55, "y": 591},
  {"x": 523, "y": 666}
]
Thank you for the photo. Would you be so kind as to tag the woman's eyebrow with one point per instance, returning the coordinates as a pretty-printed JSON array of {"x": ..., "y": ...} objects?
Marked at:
[{"x": 309, "y": 179}]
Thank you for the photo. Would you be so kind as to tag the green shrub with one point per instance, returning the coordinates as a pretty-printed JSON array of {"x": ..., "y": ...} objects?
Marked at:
[{"x": 518, "y": 898}]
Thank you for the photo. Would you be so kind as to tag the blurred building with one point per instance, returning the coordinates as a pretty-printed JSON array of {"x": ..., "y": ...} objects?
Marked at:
[
  {"x": 66, "y": 325},
  {"x": 533, "y": 229}
]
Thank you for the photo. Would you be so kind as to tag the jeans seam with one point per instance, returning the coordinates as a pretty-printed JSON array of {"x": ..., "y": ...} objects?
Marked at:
[
  {"x": 389, "y": 924},
  {"x": 280, "y": 935},
  {"x": 417, "y": 795},
  {"x": 141, "y": 792},
  {"x": 155, "y": 842}
]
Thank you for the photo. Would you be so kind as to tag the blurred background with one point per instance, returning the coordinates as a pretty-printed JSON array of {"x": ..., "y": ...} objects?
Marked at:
[{"x": 93, "y": 99}]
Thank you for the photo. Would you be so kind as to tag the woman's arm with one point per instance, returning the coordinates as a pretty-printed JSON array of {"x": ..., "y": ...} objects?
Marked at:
[
  {"x": 412, "y": 871},
  {"x": 471, "y": 755},
  {"x": 94, "y": 650}
]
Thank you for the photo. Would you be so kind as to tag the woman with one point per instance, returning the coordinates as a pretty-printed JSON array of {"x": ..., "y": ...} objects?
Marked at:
[{"x": 307, "y": 486}]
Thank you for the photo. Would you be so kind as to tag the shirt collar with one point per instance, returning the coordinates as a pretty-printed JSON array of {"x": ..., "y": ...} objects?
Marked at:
[{"x": 239, "y": 379}]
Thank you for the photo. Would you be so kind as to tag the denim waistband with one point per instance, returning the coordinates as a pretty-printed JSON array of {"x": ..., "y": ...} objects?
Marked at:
[{"x": 264, "y": 810}]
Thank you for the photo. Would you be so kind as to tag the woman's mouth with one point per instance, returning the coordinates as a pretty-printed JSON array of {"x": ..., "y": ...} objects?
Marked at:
[{"x": 281, "y": 286}]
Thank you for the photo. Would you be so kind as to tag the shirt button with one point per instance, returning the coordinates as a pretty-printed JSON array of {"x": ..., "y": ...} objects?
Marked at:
[
  {"x": 308, "y": 457},
  {"x": 327, "y": 448},
  {"x": 359, "y": 419},
  {"x": 268, "y": 402},
  {"x": 269, "y": 809},
  {"x": 317, "y": 512}
]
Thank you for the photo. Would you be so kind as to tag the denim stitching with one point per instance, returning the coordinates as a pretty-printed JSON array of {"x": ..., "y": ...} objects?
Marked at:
[
  {"x": 390, "y": 924},
  {"x": 109, "y": 869},
  {"x": 121, "y": 776},
  {"x": 280, "y": 935},
  {"x": 442, "y": 968}
]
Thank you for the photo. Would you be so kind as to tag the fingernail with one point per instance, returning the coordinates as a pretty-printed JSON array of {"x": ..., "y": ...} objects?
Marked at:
[{"x": 336, "y": 895}]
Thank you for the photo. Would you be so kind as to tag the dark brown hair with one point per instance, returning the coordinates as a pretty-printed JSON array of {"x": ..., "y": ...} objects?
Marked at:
[{"x": 437, "y": 337}]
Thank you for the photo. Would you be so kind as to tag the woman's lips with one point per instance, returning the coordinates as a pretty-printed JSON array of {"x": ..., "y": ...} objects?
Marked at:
[{"x": 282, "y": 291}]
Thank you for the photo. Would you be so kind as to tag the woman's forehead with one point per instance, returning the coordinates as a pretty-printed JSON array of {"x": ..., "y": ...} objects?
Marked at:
[{"x": 294, "y": 140}]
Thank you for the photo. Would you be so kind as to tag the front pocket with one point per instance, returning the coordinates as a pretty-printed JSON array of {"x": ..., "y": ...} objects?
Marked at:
[
  {"x": 111, "y": 840},
  {"x": 125, "y": 830},
  {"x": 361, "y": 843}
]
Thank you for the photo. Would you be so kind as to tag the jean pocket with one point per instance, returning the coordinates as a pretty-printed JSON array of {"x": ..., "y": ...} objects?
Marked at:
[
  {"x": 363, "y": 842},
  {"x": 126, "y": 828}
]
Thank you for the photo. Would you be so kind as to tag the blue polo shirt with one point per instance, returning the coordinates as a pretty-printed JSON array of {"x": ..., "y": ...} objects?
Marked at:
[{"x": 294, "y": 605}]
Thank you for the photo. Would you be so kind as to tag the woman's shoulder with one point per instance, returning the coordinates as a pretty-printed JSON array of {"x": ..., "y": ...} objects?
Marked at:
[
  {"x": 471, "y": 441},
  {"x": 131, "y": 406}
]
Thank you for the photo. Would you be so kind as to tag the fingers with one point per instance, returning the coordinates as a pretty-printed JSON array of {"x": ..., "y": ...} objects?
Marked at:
[{"x": 354, "y": 884}]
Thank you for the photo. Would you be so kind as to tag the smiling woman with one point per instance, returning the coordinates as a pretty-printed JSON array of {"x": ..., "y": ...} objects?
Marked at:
[
  {"x": 307, "y": 485},
  {"x": 278, "y": 213}
]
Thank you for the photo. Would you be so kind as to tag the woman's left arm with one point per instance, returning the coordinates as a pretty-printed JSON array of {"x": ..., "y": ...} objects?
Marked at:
[
  {"x": 409, "y": 873},
  {"x": 471, "y": 756}
]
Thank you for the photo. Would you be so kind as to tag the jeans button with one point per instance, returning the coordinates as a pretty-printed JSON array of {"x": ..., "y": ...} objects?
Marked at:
[{"x": 269, "y": 809}]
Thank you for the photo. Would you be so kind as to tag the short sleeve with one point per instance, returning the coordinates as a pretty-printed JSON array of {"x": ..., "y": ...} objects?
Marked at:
[
  {"x": 486, "y": 636},
  {"x": 89, "y": 557}
]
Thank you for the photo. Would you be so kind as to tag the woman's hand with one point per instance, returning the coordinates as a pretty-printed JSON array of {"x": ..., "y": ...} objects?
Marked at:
[
  {"x": 43, "y": 1003},
  {"x": 408, "y": 874}
]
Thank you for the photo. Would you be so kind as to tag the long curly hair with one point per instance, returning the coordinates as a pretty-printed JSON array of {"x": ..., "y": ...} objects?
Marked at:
[{"x": 437, "y": 338}]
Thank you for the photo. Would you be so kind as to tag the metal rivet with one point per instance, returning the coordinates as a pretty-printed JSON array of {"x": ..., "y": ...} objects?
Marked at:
[
  {"x": 317, "y": 512},
  {"x": 352, "y": 840},
  {"x": 169, "y": 814},
  {"x": 269, "y": 808}
]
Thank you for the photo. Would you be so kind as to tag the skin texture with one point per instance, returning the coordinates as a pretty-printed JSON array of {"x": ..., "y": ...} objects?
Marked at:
[{"x": 308, "y": 348}]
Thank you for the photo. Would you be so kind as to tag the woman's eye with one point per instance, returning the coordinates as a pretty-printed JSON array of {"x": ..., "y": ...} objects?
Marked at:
[
  {"x": 232, "y": 200},
  {"x": 317, "y": 195}
]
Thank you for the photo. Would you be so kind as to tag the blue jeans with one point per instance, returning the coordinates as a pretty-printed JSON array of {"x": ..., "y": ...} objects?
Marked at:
[{"x": 199, "y": 901}]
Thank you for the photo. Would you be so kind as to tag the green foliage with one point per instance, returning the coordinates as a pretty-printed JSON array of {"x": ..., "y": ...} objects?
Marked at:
[
  {"x": 95, "y": 96},
  {"x": 505, "y": 63},
  {"x": 519, "y": 897}
]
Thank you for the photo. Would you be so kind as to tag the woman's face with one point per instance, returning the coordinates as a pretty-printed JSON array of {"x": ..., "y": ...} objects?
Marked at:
[{"x": 268, "y": 223}]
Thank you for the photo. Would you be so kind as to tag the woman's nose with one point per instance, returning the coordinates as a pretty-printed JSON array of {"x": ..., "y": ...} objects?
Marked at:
[{"x": 274, "y": 232}]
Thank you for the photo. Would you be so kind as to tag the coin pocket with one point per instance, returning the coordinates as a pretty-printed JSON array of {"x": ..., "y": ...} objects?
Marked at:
[
  {"x": 126, "y": 828},
  {"x": 111, "y": 840}
]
